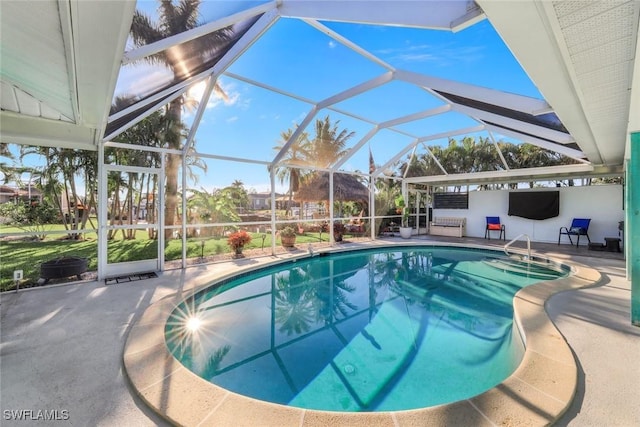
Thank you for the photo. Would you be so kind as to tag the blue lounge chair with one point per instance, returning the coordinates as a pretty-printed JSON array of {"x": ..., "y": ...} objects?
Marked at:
[
  {"x": 493, "y": 224},
  {"x": 579, "y": 227}
]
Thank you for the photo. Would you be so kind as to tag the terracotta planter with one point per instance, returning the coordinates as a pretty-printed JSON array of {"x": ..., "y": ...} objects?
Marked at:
[{"x": 288, "y": 241}]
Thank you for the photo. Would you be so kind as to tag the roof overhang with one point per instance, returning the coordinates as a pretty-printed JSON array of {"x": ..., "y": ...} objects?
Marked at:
[
  {"x": 60, "y": 61},
  {"x": 582, "y": 57}
]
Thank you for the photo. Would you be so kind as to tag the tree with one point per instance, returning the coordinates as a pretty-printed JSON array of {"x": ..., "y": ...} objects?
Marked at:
[
  {"x": 34, "y": 217},
  {"x": 298, "y": 154},
  {"x": 57, "y": 179},
  {"x": 238, "y": 193},
  {"x": 175, "y": 19},
  {"x": 327, "y": 146},
  {"x": 329, "y": 143},
  {"x": 217, "y": 206}
]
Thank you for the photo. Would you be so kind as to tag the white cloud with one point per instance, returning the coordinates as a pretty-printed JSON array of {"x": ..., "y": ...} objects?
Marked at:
[
  {"x": 232, "y": 119},
  {"x": 439, "y": 54},
  {"x": 332, "y": 44}
]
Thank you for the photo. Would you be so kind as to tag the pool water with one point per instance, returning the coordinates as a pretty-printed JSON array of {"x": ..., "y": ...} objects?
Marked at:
[{"x": 375, "y": 330}]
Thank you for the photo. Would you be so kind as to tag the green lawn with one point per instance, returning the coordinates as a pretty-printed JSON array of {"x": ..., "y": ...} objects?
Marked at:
[{"x": 28, "y": 255}]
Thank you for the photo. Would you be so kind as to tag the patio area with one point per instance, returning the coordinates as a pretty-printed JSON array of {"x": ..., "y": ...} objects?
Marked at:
[{"x": 62, "y": 346}]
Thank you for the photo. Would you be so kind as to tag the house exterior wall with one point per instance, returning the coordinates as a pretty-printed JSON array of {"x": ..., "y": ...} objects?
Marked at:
[{"x": 602, "y": 203}]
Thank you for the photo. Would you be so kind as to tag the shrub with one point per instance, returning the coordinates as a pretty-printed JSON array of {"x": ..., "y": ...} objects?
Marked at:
[{"x": 238, "y": 239}]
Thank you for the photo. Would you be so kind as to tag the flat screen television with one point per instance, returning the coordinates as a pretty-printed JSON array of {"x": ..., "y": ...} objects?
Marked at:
[{"x": 534, "y": 204}]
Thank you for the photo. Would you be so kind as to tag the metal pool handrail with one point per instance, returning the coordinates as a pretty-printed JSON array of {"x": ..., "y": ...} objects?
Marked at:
[{"x": 513, "y": 241}]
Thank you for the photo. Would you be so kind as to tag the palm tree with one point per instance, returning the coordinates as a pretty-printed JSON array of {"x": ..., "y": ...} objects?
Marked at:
[
  {"x": 175, "y": 19},
  {"x": 329, "y": 143},
  {"x": 294, "y": 311},
  {"x": 298, "y": 154},
  {"x": 238, "y": 193}
]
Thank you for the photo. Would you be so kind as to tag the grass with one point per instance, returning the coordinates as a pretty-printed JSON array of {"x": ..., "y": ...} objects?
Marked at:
[{"x": 27, "y": 255}]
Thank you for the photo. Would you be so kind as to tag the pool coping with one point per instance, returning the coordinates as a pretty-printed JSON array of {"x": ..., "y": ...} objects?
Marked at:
[{"x": 537, "y": 393}]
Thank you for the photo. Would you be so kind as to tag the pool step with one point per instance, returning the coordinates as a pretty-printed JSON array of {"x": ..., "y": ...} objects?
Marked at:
[{"x": 538, "y": 270}]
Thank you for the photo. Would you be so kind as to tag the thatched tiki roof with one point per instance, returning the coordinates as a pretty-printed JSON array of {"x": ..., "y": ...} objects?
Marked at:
[{"x": 345, "y": 188}]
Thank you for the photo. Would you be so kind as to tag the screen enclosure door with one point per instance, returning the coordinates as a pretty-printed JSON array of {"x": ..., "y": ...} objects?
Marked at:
[{"x": 131, "y": 237}]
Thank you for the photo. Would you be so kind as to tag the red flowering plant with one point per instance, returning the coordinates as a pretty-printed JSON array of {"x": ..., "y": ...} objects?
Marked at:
[{"x": 238, "y": 239}]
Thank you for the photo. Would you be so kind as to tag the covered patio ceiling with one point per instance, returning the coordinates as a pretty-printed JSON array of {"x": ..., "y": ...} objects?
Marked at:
[{"x": 61, "y": 61}]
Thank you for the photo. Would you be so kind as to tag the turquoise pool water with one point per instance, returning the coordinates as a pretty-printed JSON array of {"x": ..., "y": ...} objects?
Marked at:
[{"x": 375, "y": 330}]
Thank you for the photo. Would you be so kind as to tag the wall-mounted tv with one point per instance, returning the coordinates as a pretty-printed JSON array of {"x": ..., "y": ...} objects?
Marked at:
[{"x": 534, "y": 204}]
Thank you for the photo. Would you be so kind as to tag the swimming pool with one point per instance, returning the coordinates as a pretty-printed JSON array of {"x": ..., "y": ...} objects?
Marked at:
[{"x": 377, "y": 330}]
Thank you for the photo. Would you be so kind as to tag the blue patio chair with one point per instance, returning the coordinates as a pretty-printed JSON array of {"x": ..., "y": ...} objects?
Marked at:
[
  {"x": 493, "y": 224},
  {"x": 579, "y": 227}
]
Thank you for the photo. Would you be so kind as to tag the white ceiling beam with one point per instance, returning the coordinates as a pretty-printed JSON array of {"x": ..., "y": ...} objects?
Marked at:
[
  {"x": 294, "y": 136},
  {"x": 356, "y": 90},
  {"x": 434, "y": 14},
  {"x": 557, "y": 148},
  {"x": 504, "y": 175},
  {"x": 553, "y": 76},
  {"x": 348, "y": 43},
  {"x": 449, "y": 134},
  {"x": 353, "y": 115},
  {"x": 402, "y": 132},
  {"x": 434, "y": 158},
  {"x": 495, "y": 144},
  {"x": 524, "y": 127},
  {"x": 268, "y": 87},
  {"x": 202, "y": 106},
  {"x": 411, "y": 157},
  {"x": 160, "y": 45},
  {"x": 395, "y": 158},
  {"x": 512, "y": 101},
  {"x": 416, "y": 116}
]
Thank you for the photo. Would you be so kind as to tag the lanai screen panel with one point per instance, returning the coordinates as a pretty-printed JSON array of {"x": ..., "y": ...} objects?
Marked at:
[
  {"x": 154, "y": 76},
  {"x": 449, "y": 121}
]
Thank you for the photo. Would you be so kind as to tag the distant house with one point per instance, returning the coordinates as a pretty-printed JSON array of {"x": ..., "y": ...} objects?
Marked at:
[
  {"x": 13, "y": 194},
  {"x": 259, "y": 201}
]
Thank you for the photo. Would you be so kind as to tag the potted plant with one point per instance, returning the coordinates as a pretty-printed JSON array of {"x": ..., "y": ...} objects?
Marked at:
[
  {"x": 400, "y": 205},
  {"x": 405, "y": 230},
  {"x": 237, "y": 240},
  {"x": 288, "y": 237}
]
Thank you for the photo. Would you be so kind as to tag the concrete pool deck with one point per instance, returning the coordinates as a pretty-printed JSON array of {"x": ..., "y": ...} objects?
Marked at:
[{"x": 62, "y": 349}]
